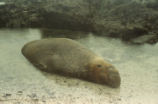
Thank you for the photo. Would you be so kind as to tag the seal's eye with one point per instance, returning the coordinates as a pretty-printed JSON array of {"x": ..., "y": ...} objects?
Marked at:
[{"x": 99, "y": 66}]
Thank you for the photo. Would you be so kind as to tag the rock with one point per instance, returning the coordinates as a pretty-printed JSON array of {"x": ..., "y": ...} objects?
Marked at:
[
  {"x": 68, "y": 14},
  {"x": 143, "y": 39},
  {"x": 7, "y": 95},
  {"x": 125, "y": 19}
]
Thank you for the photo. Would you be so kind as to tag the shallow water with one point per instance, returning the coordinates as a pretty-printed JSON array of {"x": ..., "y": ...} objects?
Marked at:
[{"x": 21, "y": 82}]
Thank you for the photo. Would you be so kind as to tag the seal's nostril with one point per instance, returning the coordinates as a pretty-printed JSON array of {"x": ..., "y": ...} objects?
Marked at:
[{"x": 111, "y": 68}]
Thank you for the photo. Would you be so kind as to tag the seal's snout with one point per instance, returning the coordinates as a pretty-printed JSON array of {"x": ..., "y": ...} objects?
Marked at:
[
  {"x": 113, "y": 77},
  {"x": 104, "y": 73}
]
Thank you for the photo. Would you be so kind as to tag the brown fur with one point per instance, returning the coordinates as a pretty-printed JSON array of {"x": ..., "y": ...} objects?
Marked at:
[{"x": 68, "y": 57}]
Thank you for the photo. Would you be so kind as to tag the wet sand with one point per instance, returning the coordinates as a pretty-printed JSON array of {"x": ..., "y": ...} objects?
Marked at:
[{"x": 22, "y": 83}]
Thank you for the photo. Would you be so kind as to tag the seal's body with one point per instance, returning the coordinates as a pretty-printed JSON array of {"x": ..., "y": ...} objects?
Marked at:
[{"x": 67, "y": 57}]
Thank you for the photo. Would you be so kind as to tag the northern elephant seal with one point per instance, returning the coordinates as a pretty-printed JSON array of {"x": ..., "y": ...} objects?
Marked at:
[{"x": 68, "y": 57}]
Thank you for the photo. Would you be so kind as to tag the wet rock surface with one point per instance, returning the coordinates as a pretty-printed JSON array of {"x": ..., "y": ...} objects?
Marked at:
[
  {"x": 125, "y": 19},
  {"x": 59, "y": 14}
]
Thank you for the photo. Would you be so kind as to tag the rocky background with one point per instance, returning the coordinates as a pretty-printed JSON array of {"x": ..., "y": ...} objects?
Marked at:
[{"x": 134, "y": 21}]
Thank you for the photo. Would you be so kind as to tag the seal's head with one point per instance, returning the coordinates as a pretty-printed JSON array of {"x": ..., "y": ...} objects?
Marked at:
[{"x": 102, "y": 72}]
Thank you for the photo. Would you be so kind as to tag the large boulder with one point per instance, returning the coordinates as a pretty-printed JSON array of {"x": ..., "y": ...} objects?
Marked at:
[{"x": 125, "y": 19}]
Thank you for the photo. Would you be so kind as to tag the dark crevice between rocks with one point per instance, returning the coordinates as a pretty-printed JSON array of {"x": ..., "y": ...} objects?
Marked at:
[
  {"x": 63, "y": 21},
  {"x": 129, "y": 34},
  {"x": 61, "y": 33}
]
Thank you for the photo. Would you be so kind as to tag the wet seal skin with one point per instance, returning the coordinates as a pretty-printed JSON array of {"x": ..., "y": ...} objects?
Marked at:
[{"x": 69, "y": 58}]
